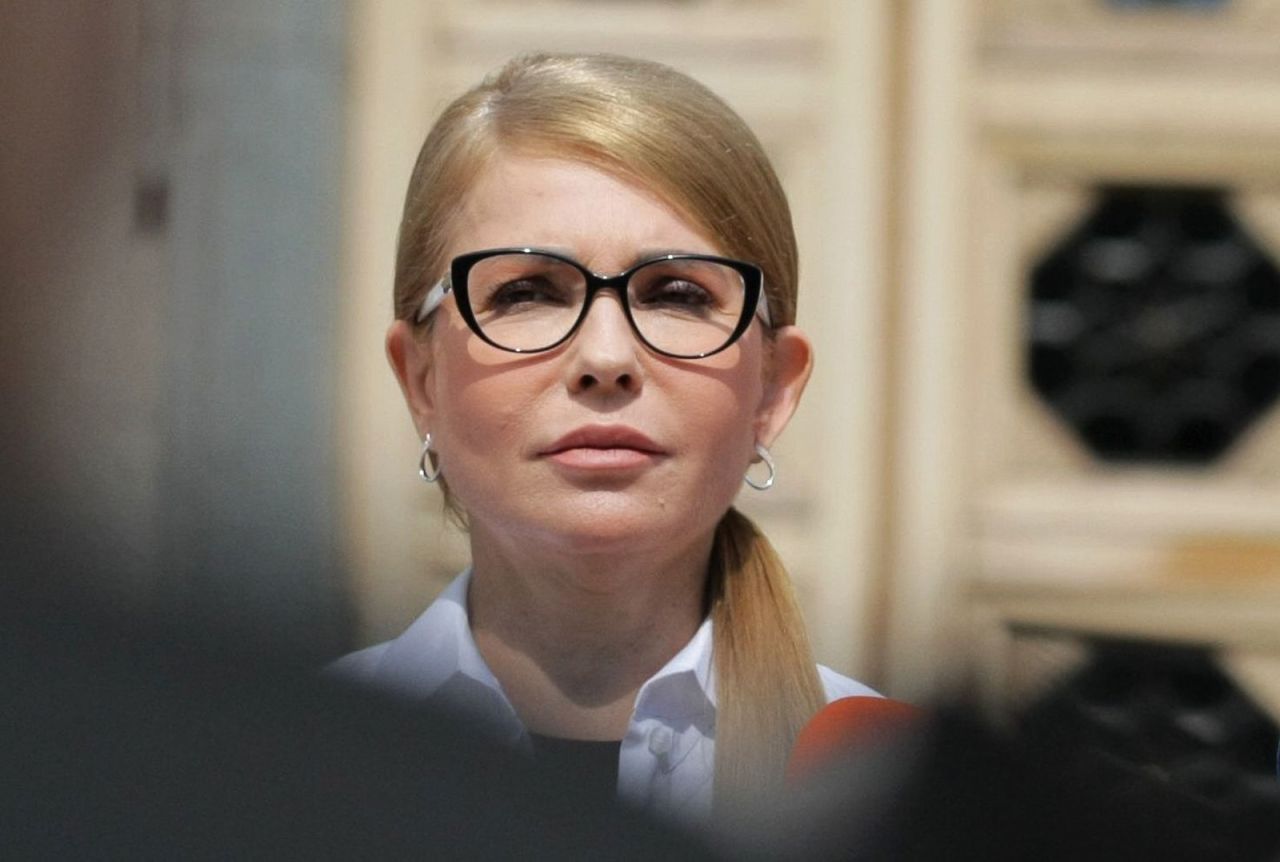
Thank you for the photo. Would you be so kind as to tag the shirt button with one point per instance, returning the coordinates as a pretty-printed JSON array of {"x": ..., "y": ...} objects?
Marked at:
[{"x": 660, "y": 743}]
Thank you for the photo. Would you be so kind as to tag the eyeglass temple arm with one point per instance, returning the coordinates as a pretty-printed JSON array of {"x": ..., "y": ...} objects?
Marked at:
[
  {"x": 432, "y": 300},
  {"x": 762, "y": 308}
]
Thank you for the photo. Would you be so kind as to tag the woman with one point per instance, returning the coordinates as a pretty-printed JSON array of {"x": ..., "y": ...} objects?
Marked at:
[{"x": 595, "y": 429}]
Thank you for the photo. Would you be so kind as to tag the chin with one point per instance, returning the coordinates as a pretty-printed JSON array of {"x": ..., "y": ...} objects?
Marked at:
[{"x": 597, "y": 523}]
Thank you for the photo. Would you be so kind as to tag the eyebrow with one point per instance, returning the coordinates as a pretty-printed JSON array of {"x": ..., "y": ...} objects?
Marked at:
[{"x": 640, "y": 256}]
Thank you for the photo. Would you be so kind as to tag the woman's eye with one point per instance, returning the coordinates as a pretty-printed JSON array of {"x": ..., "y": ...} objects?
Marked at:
[
  {"x": 676, "y": 293},
  {"x": 526, "y": 291}
]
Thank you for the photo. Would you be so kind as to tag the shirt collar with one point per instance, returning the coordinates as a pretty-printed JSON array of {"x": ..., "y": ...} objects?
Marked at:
[
  {"x": 684, "y": 688},
  {"x": 438, "y": 647}
]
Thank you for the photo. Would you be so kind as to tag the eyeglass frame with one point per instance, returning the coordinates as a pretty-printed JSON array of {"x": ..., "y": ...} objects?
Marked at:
[{"x": 460, "y": 267}]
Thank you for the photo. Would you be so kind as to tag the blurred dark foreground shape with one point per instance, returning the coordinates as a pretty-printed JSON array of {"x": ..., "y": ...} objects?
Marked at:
[
  {"x": 138, "y": 740},
  {"x": 953, "y": 788},
  {"x": 130, "y": 741}
]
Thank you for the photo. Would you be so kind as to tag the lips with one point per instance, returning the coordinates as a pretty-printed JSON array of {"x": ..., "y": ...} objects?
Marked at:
[
  {"x": 604, "y": 437},
  {"x": 603, "y": 447}
]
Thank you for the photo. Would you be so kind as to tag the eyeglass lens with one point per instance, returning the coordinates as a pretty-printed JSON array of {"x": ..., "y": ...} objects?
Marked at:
[{"x": 527, "y": 301}]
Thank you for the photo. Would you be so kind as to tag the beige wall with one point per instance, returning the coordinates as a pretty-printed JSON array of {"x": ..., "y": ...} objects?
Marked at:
[
  {"x": 928, "y": 504},
  {"x": 1008, "y": 524}
]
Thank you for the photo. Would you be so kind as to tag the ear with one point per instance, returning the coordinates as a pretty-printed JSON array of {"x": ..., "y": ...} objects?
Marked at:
[
  {"x": 788, "y": 370},
  {"x": 410, "y": 358}
]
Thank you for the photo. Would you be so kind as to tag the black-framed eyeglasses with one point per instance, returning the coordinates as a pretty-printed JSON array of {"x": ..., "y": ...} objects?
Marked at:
[{"x": 526, "y": 300}]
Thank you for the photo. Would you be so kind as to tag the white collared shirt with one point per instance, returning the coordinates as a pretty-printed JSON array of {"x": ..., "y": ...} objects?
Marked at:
[{"x": 666, "y": 763}]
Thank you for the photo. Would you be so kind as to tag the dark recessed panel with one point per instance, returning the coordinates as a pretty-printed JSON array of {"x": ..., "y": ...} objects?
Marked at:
[
  {"x": 1154, "y": 326},
  {"x": 1172, "y": 714}
]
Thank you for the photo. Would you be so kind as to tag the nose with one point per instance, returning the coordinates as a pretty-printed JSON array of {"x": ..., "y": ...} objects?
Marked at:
[{"x": 604, "y": 352}]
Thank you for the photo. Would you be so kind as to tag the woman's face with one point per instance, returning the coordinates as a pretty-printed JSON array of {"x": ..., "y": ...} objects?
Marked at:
[{"x": 600, "y": 444}]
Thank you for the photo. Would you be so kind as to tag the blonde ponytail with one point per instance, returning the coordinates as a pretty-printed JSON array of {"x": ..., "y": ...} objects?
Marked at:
[{"x": 767, "y": 683}]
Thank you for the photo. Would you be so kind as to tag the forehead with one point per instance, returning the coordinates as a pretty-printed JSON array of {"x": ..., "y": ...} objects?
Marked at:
[{"x": 573, "y": 207}]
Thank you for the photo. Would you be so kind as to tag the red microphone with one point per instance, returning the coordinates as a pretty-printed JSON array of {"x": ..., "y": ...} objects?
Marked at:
[{"x": 845, "y": 725}]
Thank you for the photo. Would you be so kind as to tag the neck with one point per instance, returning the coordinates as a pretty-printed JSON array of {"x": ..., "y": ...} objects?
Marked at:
[{"x": 573, "y": 636}]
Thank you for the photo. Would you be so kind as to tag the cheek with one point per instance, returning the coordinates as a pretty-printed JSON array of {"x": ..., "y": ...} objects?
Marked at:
[
  {"x": 721, "y": 420},
  {"x": 721, "y": 424},
  {"x": 483, "y": 400},
  {"x": 480, "y": 438},
  {"x": 480, "y": 414}
]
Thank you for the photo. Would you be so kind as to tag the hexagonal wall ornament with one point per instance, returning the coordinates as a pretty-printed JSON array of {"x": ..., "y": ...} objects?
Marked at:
[{"x": 1153, "y": 327}]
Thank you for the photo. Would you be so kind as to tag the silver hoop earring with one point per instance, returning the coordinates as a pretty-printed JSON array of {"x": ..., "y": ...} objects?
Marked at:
[
  {"x": 768, "y": 462},
  {"x": 425, "y": 470}
]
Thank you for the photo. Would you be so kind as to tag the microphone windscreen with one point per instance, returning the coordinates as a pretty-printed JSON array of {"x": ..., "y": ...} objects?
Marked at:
[{"x": 845, "y": 725}]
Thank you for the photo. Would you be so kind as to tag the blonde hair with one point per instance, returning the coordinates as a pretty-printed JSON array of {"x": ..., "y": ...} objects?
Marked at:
[{"x": 647, "y": 123}]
